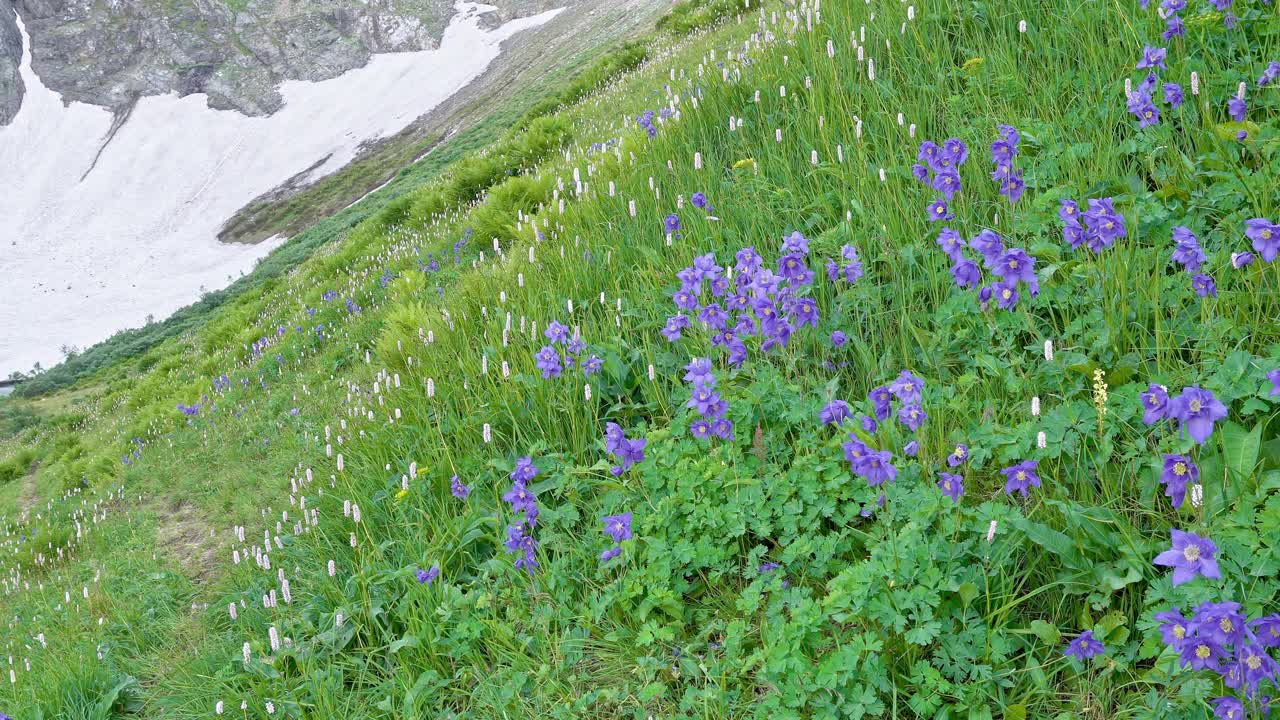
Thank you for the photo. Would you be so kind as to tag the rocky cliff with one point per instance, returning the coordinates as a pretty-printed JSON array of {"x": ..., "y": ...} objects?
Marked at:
[{"x": 111, "y": 52}]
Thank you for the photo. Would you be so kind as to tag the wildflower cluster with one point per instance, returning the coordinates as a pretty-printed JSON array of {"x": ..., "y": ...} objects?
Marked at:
[
  {"x": 707, "y": 402},
  {"x": 939, "y": 168},
  {"x": 627, "y": 452},
  {"x": 1012, "y": 266},
  {"x": 1098, "y": 227},
  {"x": 524, "y": 503},
  {"x": 552, "y": 363},
  {"x": 1003, "y": 151},
  {"x": 1220, "y": 638},
  {"x": 617, "y": 527}
]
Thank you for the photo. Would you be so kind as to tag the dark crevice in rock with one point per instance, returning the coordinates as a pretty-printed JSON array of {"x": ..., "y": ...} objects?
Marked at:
[{"x": 119, "y": 117}]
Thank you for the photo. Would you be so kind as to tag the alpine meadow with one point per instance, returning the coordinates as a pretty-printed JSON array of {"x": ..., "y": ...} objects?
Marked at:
[{"x": 792, "y": 359}]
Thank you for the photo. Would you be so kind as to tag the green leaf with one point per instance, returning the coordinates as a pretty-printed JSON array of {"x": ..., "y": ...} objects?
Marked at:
[
  {"x": 1240, "y": 449},
  {"x": 404, "y": 642},
  {"x": 967, "y": 591},
  {"x": 1051, "y": 540},
  {"x": 1015, "y": 712},
  {"x": 1229, "y": 130},
  {"x": 1047, "y": 633}
]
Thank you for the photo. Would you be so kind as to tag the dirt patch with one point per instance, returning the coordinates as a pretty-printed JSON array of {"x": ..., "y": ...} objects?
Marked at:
[
  {"x": 29, "y": 496},
  {"x": 182, "y": 534}
]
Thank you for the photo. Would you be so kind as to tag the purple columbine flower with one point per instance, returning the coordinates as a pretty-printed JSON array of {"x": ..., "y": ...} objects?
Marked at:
[
  {"x": 698, "y": 373},
  {"x": 426, "y": 577},
  {"x": 1173, "y": 95},
  {"x": 548, "y": 361},
  {"x": 699, "y": 200},
  {"x": 951, "y": 485},
  {"x": 1265, "y": 236},
  {"x": 913, "y": 416},
  {"x": 592, "y": 365},
  {"x": 966, "y": 273},
  {"x": 671, "y": 224},
  {"x": 1241, "y": 260},
  {"x": 1191, "y": 555},
  {"x": 880, "y": 398},
  {"x": 1020, "y": 477},
  {"x": 1006, "y": 294},
  {"x": 1274, "y": 377},
  {"x": 939, "y": 211},
  {"x": 1204, "y": 285},
  {"x": 1255, "y": 666},
  {"x": 1227, "y": 708},
  {"x": 1174, "y": 27},
  {"x": 876, "y": 467},
  {"x": 1266, "y": 630},
  {"x": 1153, "y": 57},
  {"x": 1201, "y": 654},
  {"x": 955, "y": 151},
  {"x": 951, "y": 243},
  {"x": 556, "y": 332},
  {"x": 1103, "y": 224},
  {"x": 1016, "y": 265},
  {"x": 1085, "y": 646},
  {"x": 1141, "y": 106},
  {"x": 1237, "y": 108},
  {"x": 1178, "y": 471},
  {"x": 1270, "y": 74},
  {"x": 1187, "y": 252},
  {"x": 700, "y": 429},
  {"x": 838, "y": 339},
  {"x": 1155, "y": 404},
  {"x": 907, "y": 388},
  {"x": 1069, "y": 211},
  {"x": 457, "y": 489},
  {"x": 1196, "y": 410},
  {"x": 1174, "y": 628},
  {"x": 1220, "y": 622},
  {"x": 959, "y": 455},
  {"x": 618, "y": 527},
  {"x": 911, "y": 448},
  {"x": 524, "y": 470},
  {"x": 989, "y": 245},
  {"x": 835, "y": 412}
]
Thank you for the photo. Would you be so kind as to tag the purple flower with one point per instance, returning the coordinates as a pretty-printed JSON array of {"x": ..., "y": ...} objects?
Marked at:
[
  {"x": 834, "y": 412},
  {"x": 876, "y": 467},
  {"x": 675, "y": 324},
  {"x": 1241, "y": 260},
  {"x": 1266, "y": 630},
  {"x": 1085, "y": 646},
  {"x": 1187, "y": 252},
  {"x": 1178, "y": 471},
  {"x": 838, "y": 339},
  {"x": 1196, "y": 411},
  {"x": 955, "y": 151},
  {"x": 1237, "y": 108},
  {"x": 1103, "y": 224},
  {"x": 1069, "y": 211},
  {"x": 1274, "y": 377},
  {"x": 698, "y": 372},
  {"x": 1020, "y": 477},
  {"x": 611, "y": 553},
  {"x": 880, "y": 398},
  {"x": 907, "y": 388},
  {"x": 1141, "y": 106},
  {"x": 618, "y": 527},
  {"x": 1221, "y": 623},
  {"x": 1153, "y": 57},
  {"x": 951, "y": 485},
  {"x": 959, "y": 455},
  {"x": 913, "y": 416},
  {"x": 426, "y": 577},
  {"x": 1201, "y": 654},
  {"x": 911, "y": 448},
  {"x": 1155, "y": 404},
  {"x": 1227, "y": 708},
  {"x": 524, "y": 470},
  {"x": 700, "y": 429},
  {"x": 548, "y": 361},
  {"x": 1270, "y": 74},
  {"x": 966, "y": 273},
  {"x": 989, "y": 245},
  {"x": 699, "y": 200},
  {"x": 671, "y": 224},
  {"x": 1265, "y": 236},
  {"x": 457, "y": 489},
  {"x": 939, "y": 211},
  {"x": 1014, "y": 265},
  {"x": 556, "y": 332},
  {"x": 520, "y": 543},
  {"x": 951, "y": 243},
  {"x": 868, "y": 424},
  {"x": 1204, "y": 285},
  {"x": 806, "y": 313},
  {"x": 1006, "y": 294},
  {"x": 1173, "y": 95},
  {"x": 1174, "y": 628},
  {"x": 1191, "y": 555},
  {"x": 1174, "y": 27},
  {"x": 1254, "y": 666}
]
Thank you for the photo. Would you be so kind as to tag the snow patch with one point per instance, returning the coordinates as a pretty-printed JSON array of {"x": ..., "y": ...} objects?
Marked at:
[{"x": 82, "y": 259}]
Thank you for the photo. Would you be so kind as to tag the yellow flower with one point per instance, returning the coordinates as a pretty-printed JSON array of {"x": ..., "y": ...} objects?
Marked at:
[
  {"x": 971, "y": 64},
  {"x": 402, "y": 495},
  {"x": 743, "y": 163}
]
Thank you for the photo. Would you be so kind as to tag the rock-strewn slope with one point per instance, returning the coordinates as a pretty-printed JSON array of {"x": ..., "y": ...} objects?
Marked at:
[
  {"x": 10, "y": 57},
  {"x": 236, "y": 51}
]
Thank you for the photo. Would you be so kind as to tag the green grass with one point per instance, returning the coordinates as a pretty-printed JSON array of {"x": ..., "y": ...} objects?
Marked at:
[{"x": 888, "y": 600}]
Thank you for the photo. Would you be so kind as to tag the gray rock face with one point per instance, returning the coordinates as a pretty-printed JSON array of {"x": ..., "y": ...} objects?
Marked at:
[
  {"x": 111, "y": 52},
  {"x": 10, "y": 57}
]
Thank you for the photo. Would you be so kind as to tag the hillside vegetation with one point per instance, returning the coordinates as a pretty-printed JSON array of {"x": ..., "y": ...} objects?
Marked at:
[{"x": 827, "y": 360}]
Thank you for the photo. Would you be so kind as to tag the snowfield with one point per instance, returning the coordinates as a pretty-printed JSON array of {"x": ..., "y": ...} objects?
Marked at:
[{"x": 81, "y": 259}]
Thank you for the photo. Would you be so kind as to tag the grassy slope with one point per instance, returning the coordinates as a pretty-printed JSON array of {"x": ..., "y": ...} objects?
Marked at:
[{"x": 899, "y": 611}]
